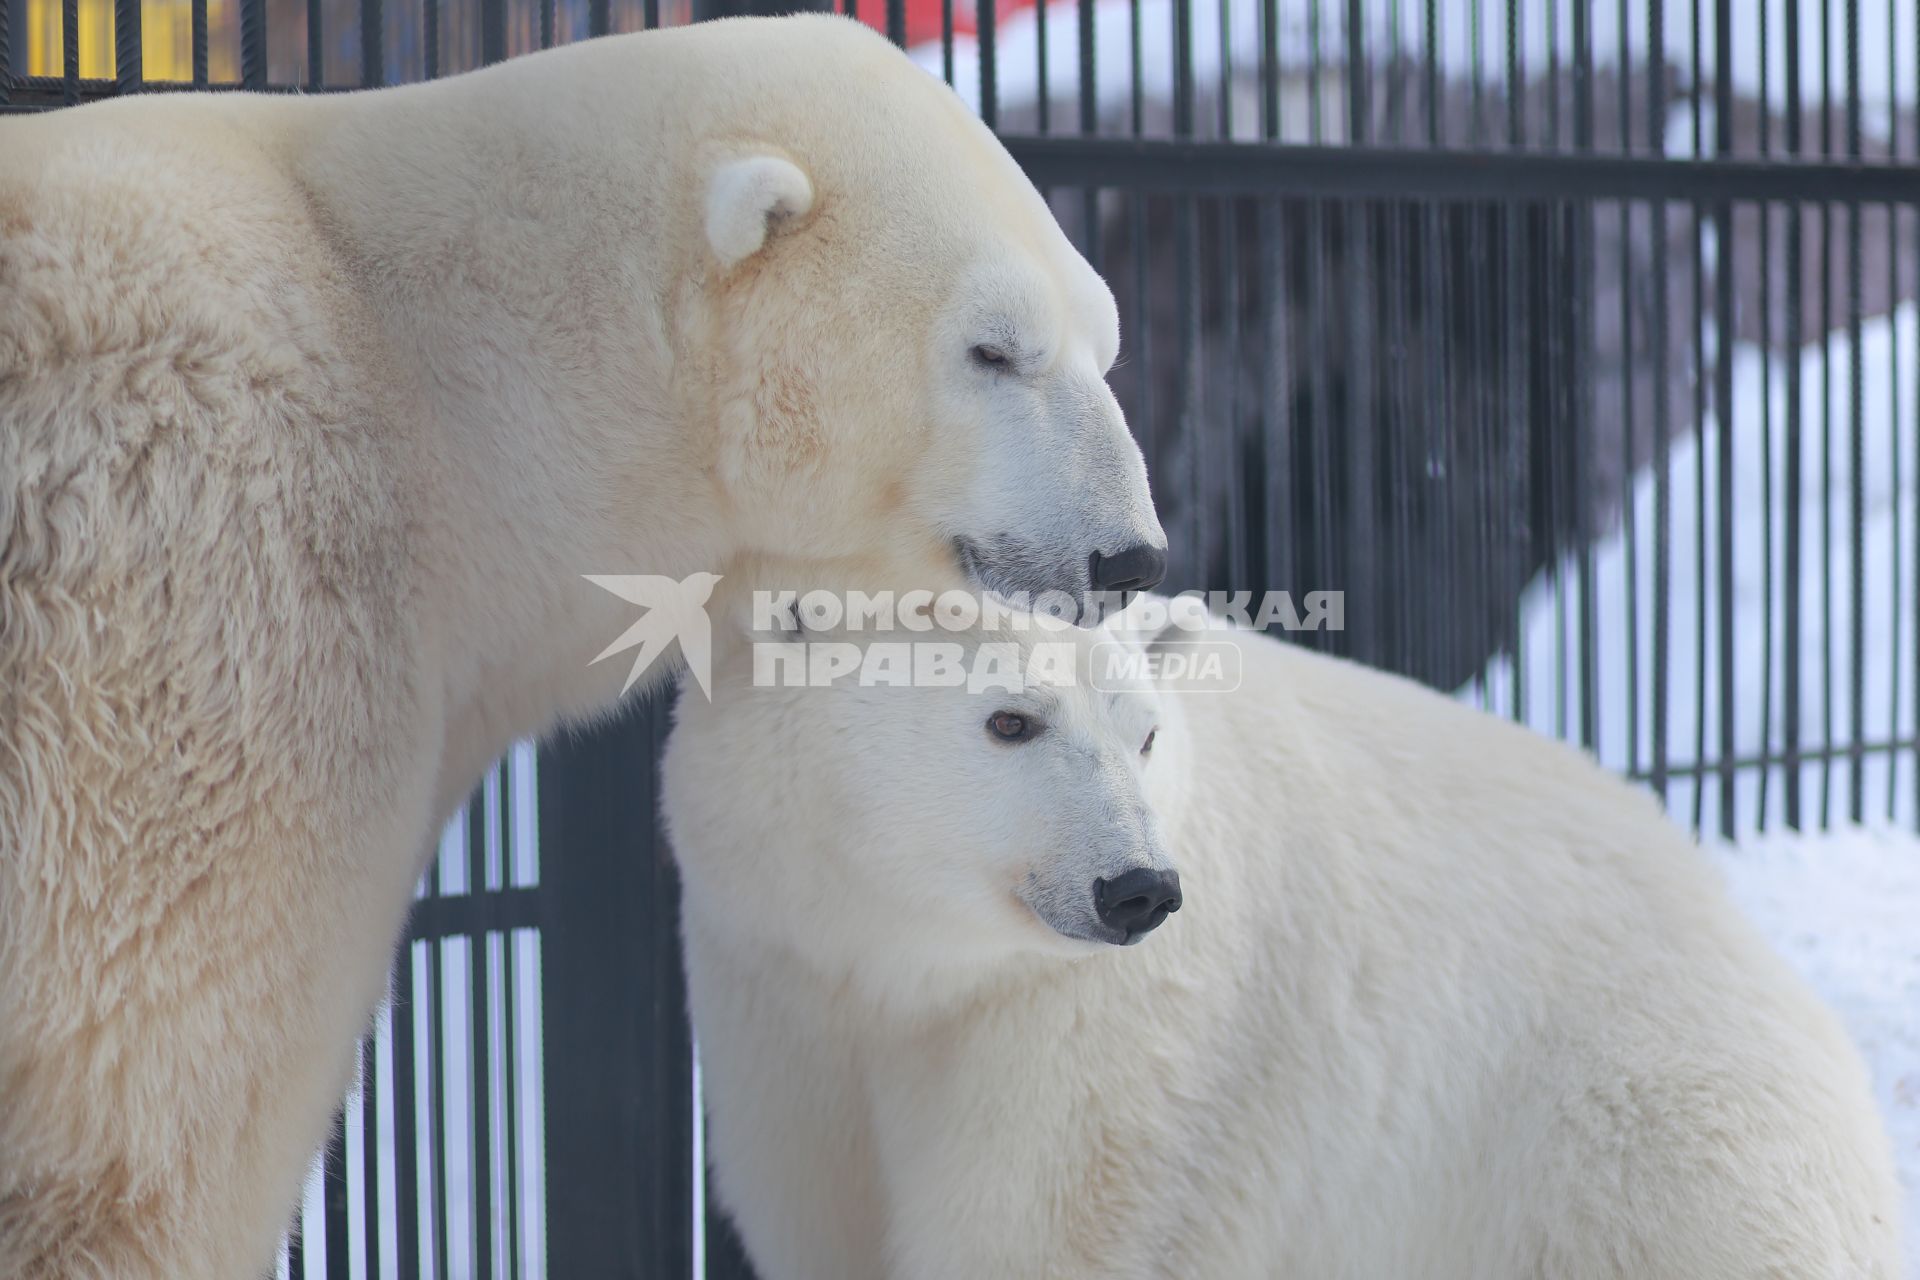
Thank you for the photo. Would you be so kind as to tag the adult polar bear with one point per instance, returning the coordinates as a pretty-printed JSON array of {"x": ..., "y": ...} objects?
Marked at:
[
  {"x": 312, "y": 415},
  {"x": 1443, "y": 1001}
]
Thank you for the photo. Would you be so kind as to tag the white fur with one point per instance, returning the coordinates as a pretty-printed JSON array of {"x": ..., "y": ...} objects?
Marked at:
[
  {"x": 313, "y": 415},
  {"x": 1444, "y": 1000},
  {"x": 746, "y": 198}
]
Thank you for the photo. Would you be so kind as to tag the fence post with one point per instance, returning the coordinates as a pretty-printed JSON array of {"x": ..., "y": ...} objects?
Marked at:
[
  {"x": 618, "y": 1056},
  {"x": 705, "y": 9}
]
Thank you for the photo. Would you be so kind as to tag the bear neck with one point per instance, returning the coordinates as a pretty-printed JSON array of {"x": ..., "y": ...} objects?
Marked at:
[{"x": 543, "y": 432}]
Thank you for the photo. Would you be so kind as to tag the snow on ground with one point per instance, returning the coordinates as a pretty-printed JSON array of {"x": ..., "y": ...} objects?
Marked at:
[
  {"x": 1470, "y": 44},
  {"x": 1541, "y": 685},
  {"x": 1844, "y": 909}
]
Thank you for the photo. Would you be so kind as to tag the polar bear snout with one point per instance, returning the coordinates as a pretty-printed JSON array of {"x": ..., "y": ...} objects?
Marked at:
[
  {"x": 1139, "y": 568},
  {"x": 1134, "y": 903}
]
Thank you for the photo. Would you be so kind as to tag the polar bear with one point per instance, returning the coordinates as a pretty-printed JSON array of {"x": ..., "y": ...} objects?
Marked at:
[
  {"x": 1441, "y": 999},
  {"x": 314, "y": 413}
]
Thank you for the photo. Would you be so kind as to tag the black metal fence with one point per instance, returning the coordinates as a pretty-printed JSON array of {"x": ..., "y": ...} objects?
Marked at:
[{"x": 1574, "y": 342}]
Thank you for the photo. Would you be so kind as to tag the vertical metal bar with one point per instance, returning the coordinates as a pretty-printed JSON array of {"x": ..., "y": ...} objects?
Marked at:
[
  {"x": 600, "y": 18},
  {"x": 1476, "y": 72},
  {"x": 1359, "y": 86},
  {"x": 1146, "y": 427},
  {"x": 1408, "y": 423},
  {"x": 127, "y": 67},
  {"x": 946, "y": 40},
  {"x": 373, "y": 44},
  {"x": 334, "y": 1203},
  {"x": 1896, "y": 576},
  {"x": 253, "y": 44},
  {"x": 1698, "y": 781},
  {"x": 1827, "y": 278},
  {"x": 509, "y": 1035},
  {"x": 897, "y": 22},
  {"x": 1183, "y": 89},
  {"x": 1765, "y": 212},
  {"x": 296, "y": 1245},
  {"x": 1229, "y": 431},
  {"x": 1224, "y": 94},
  {"x": 1656, "y": 141},
  {"x": 1089, "y": 103},
  {"x": 199, "y": 44},
  {"x": 70, "y": 48},
  {"x": 546, "y": 23},
  {"x": 1857, "y": 494},
  {"x": 316, "y": 45},
  {"x": 1276, "y": 424},
  {"x": 1430, "y": 65},
  {"x": 6, "y": 51},
  {"x": 1313, "y": 71},
  {"x": 1360, "y": 537},
  {"x": 493, "y": 31},
  {"x": 1515, "y": 86},
  {"x": 986, "y": 41},
  {"x": 1629, "y": 500},
  {"x": 1443, "y": 462},
  {"x": 619, "y": 1122},
  {"x": 1487, "y": 436},
  {"x": 1318, "y": 380},
  {"x": 1041, "y": 69},
  {"x": 370, "y": 1148},
  {"x": 1791, "y": 571},
  {"x": 1625, "y": 76},
  {"x": 1136, "y": 92},
  {"x": 1585, "y": 411},
  {"x": 479, "y": 1047},
  {"x": 1519, "y": 424},
  {"x": 1553, "y": 69},
  {"x": 1724, "y": 266},
  {"x": 437, "y": 1100},
  {"x": 406, "y": 1132},
  {"x": 1270, "y": 70}
]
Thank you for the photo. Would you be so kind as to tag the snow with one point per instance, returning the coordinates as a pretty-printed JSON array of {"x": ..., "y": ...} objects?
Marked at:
[
  {"x": 1843, "y": 907},
  {"x": 1541, "y": 685}
]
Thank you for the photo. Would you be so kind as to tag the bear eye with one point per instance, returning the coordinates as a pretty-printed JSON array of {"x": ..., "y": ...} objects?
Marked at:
[
  {"x": 1146, "y": 748},
  {"x": 989, "y": 357},
  {"x": 1011, "y": 726}
]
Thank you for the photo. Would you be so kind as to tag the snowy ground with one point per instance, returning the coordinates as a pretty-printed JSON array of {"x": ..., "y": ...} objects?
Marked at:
[{"x": 1844, "y": 908}]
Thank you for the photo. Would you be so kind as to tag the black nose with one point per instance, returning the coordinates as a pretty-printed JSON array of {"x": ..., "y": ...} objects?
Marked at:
[
  {"x": 1138, "y": 568},
  {"x": 1137, "y": 901}
]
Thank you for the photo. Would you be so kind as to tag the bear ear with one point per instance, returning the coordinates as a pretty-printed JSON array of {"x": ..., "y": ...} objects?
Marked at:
[{"x": 747, "y": 199}]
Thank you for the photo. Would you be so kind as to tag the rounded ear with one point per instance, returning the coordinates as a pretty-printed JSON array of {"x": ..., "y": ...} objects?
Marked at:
[{"x": 747, "y": 199}]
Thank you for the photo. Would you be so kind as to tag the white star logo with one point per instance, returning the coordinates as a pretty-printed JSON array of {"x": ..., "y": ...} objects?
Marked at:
[{"x": 674, "y": 611}]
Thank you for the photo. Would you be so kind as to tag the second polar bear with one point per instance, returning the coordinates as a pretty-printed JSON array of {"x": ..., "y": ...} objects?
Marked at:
[{"x": 1442, "y": 1000}]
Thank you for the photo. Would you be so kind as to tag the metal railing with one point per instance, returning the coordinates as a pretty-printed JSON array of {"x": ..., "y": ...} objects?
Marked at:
[{"x": 1575, "y": 342}]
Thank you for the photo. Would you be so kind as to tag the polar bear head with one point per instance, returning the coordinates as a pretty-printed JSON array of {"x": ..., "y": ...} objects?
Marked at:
[
  {"x": 907, "y": 351},
  {"x": 911, "y": 809}
]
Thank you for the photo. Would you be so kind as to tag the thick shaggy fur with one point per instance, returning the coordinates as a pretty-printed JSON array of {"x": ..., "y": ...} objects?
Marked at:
[
  {"x": 1444, "y": 1001},
  {"x": 313, "y": 414}
]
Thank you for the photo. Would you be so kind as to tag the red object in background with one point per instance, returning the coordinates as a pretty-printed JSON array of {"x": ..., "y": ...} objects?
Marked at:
[{"x": 923, "y": 17}]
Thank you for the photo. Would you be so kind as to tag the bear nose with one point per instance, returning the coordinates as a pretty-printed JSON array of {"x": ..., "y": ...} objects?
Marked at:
[
  {"x": 1139, "y": 568},
  {"x": 1138, "y": 900}
]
